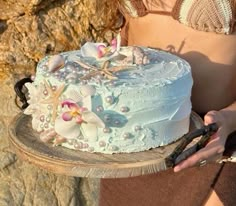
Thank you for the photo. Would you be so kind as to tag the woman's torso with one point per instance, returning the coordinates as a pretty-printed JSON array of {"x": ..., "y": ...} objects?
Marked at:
[{"x": 212, "y": 56}]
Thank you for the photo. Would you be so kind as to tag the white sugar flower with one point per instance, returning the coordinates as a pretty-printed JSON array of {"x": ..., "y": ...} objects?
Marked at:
[
  {"x": 36, "y": 109},
  {"x": 76, "y": 121}
]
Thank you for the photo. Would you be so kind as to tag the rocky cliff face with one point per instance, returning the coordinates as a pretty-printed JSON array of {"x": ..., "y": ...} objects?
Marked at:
[{"x": 29, "y": 30}]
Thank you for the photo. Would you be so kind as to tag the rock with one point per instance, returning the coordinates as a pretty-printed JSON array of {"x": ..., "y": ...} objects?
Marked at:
[
  {"x": 6, "y": 159},
  {"x": 53, "y": 27},
  {"x": 24, "y": 184}
]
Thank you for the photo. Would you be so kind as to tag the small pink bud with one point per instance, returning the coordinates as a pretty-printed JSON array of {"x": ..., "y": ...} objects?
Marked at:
[{"x": 101, "y": 50}]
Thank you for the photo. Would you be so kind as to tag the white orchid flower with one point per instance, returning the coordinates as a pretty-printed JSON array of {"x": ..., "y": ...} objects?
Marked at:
[
  {"x": 76, "y": 121},
  {"x": 99, "y": 50},
  {"x": 36, "y": 109}
]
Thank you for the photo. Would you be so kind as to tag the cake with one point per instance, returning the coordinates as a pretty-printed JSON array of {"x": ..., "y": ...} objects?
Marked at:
[{"x": 110, "y": 99}]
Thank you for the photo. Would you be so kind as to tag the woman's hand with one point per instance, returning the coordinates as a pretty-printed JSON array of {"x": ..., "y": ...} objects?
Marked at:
[{"x": 214, "y": 149}]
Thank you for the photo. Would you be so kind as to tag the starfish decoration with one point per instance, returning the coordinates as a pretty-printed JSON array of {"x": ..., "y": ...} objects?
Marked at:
[
  {"x": 104, "y": 70},
  {"x": 53, "y": 98}
]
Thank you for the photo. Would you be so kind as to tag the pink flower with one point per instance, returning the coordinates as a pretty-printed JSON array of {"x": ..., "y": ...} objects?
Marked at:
[
  {"x": 113, "y": 45},
  {"x": 102, "y": 50},
  {"x": 75, "y": 111},
  {"x": 99, "y": 50},
  {"x": 76, "y": 121}
]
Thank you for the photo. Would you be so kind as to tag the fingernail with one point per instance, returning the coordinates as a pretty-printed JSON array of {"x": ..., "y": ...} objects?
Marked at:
[{"x": 177, "y": 169}]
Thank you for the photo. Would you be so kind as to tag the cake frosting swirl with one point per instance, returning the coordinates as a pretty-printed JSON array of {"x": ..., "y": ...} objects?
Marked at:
[{"x": 127, "y": 100}]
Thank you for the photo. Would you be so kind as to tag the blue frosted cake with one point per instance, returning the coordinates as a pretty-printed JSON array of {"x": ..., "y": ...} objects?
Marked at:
[{"x": 111, "y": 99}]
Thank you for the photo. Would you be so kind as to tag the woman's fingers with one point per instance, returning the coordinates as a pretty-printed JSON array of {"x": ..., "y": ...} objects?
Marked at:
[
  {"x": 211, "y": 153},
  {"x": 214, "y": 149}
]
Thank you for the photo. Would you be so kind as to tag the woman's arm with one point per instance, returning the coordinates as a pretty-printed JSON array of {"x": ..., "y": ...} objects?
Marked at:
[{"x": 226, "y": 119}]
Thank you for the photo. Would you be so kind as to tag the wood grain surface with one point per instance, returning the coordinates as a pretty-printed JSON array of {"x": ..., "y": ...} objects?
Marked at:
[{"x": 27, "y": 145}]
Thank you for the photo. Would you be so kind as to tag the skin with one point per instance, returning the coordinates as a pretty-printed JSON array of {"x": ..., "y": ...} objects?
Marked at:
[{"x": 213, "y": 60}]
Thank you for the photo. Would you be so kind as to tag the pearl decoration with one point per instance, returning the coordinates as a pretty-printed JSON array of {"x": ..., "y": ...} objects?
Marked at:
[
  {"x": 99, "y": 77},
  {"x": 78, "y": 145},
  {"x": 45, "y": 67},
  {"x": 102, "y": 143},
  {"x": 54, "y": 88},
  {"x": 45, "y": 92},
  {"x": 90, "y": 149},
  {"x": 69, "y": 67},
  {"x": 74, "y": 71},
  {"x": 71, "y": 141},
  {"x": 42, "y": 118},
  {"x": 85, "y": 145},
  {"x": 61, "y": 79},
  {"x": 107, "y": 130},
  {"x": 113, "y": 148},
  {"x": 32, "y": 77},
  {"x": 137, "y": 128},
  {"x": 124, "y": 109},
  {"x": 107, "y": 118},
  {"x": 99, "y": 108},
  {"x": 71, "y": 80},
  {"x": 126, "y": 135},
  {"x": 46, "y": 125},
  {"x": 47, "y": 74},
  {"x": 111, "y": 84},
  {"x": 49, "y": 107},
  {"x": 117, "y": 122},
  {"x": 110, "y": 99}
]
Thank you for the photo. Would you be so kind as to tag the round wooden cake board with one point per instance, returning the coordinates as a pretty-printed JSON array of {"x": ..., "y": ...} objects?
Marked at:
[{"x": 29, "y": 147}]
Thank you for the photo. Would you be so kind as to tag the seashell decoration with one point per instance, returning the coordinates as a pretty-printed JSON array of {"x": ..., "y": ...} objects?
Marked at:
[
  {"x": 90, "y": 49},
  {"x": 139, "y": 56},
  {"x": 55, "y": 63},
  {"x": 87, "y": 90},
  {"x": 75, "y": 95}
]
